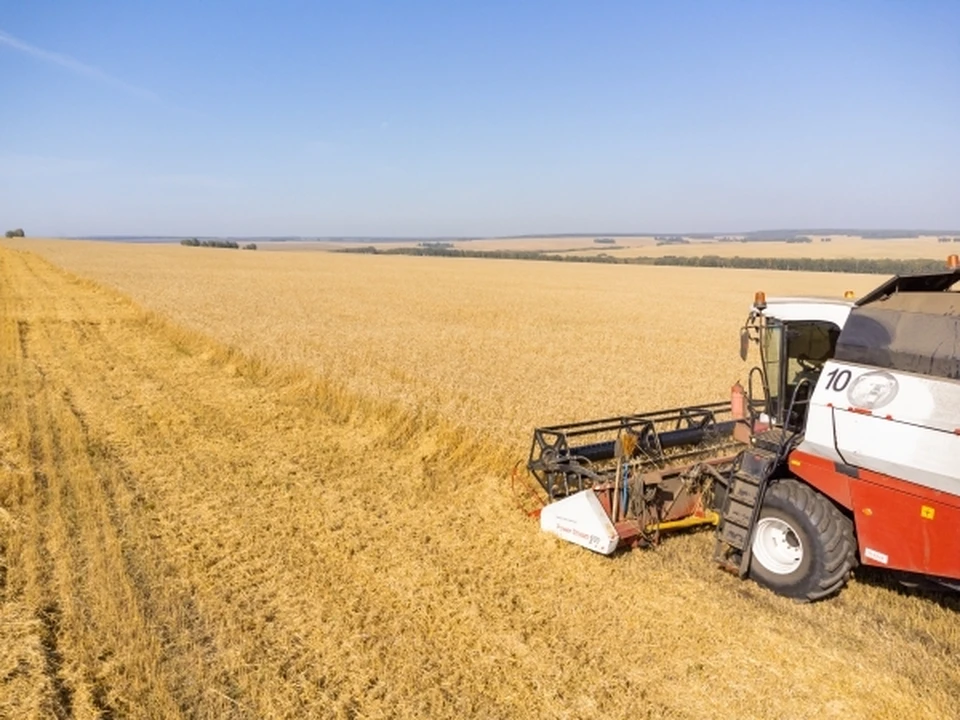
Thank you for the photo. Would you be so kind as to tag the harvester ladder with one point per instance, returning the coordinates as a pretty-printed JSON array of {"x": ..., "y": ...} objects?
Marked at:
[{"x": 741, "y": 507}]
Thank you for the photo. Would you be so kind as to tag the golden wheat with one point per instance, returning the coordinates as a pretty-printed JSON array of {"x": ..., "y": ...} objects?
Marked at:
[{"x": 273, "y": 486}]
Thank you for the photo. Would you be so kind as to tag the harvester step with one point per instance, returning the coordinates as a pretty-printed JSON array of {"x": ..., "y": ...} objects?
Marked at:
[
  {"x": 746, "y": 477},
  {"x": 756, "y": 462},
  {"x": 739, "y": 513},
  {"x": 744, "y": 490},
  {"x": 733, "y": 535}
]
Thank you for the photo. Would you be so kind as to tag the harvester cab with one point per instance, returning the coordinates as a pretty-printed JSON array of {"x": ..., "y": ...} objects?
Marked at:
[
  {"x": 795, "y": 337},
  {"x": 841, "y": 449}
]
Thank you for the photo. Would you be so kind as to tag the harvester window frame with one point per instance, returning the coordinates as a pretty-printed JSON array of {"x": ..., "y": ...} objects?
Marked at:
[
  {"x": 776, "y": 335},
  {"x": 772, "y": 327},
  {"x": 801, "y": 367}
]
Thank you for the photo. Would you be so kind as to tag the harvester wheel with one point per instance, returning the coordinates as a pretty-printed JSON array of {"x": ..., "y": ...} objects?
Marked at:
[{"x": 803, "y": 546}]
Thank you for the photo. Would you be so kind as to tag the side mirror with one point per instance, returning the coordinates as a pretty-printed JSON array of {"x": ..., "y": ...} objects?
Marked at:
[{"x": 744, "y": 343}]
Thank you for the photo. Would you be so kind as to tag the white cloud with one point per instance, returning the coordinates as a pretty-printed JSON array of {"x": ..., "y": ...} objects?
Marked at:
[{"x": 77, "y": 67}]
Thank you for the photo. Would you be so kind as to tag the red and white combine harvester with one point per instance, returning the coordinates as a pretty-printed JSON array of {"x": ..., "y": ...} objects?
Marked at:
[{"x": 844, "y": 448}]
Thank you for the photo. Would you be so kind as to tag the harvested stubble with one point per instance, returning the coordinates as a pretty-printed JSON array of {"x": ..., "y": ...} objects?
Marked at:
[{"x": 319, "y": 525}]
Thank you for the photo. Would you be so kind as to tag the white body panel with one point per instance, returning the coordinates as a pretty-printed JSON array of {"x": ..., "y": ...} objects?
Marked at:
[
  {"x": 581, "y": 519},
  {"x": 896, "y": 423},
  {"x": 819, "y": 309}
]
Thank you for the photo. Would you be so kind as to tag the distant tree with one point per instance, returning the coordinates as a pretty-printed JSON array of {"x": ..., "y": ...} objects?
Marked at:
[
  {"x": 194, "y": 242},
  {"x": 15, "y": 233},
  {"x": 250, "y": 246}
]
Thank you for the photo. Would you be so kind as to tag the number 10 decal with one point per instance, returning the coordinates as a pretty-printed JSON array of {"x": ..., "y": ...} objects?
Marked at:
[{"x": 838, "y": 380}]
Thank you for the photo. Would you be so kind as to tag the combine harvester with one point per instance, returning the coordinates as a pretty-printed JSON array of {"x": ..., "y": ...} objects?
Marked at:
[{"x": 843, "y": 448}]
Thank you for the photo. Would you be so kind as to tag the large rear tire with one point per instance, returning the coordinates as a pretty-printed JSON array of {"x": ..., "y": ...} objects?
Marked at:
[{"x": 803, "y": 546}]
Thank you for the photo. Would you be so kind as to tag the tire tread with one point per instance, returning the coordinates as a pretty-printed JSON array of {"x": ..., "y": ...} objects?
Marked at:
[{"x": 835, "y": 535}]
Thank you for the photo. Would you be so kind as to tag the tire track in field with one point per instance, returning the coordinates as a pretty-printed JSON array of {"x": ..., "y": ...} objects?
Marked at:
[
  {"x": 199, "y": 682},
  {"x": 48, "y": 613},
  {"x": 32, "y": 378},
  {"x": 140, "y": 554},
  {"x": 26, "y": 689},
  {"x": 97, "y": 537},
  {"x": 70, "y": 540}
]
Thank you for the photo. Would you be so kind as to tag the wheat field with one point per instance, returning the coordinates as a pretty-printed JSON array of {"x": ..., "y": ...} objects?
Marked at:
[{"x": 261, "y": 485}]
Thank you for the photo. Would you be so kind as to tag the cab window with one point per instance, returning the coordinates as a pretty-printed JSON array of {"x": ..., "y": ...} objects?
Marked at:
[{"x": 808, "y": 346}]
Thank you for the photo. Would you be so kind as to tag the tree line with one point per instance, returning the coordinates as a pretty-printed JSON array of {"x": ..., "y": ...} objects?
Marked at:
[
  {"x": 194, "y": 242},
  {"x": 875, "y": 266}
]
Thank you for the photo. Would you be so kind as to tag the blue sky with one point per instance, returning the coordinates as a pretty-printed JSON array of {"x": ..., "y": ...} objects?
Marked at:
[{"x": 477, "y": 118}]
